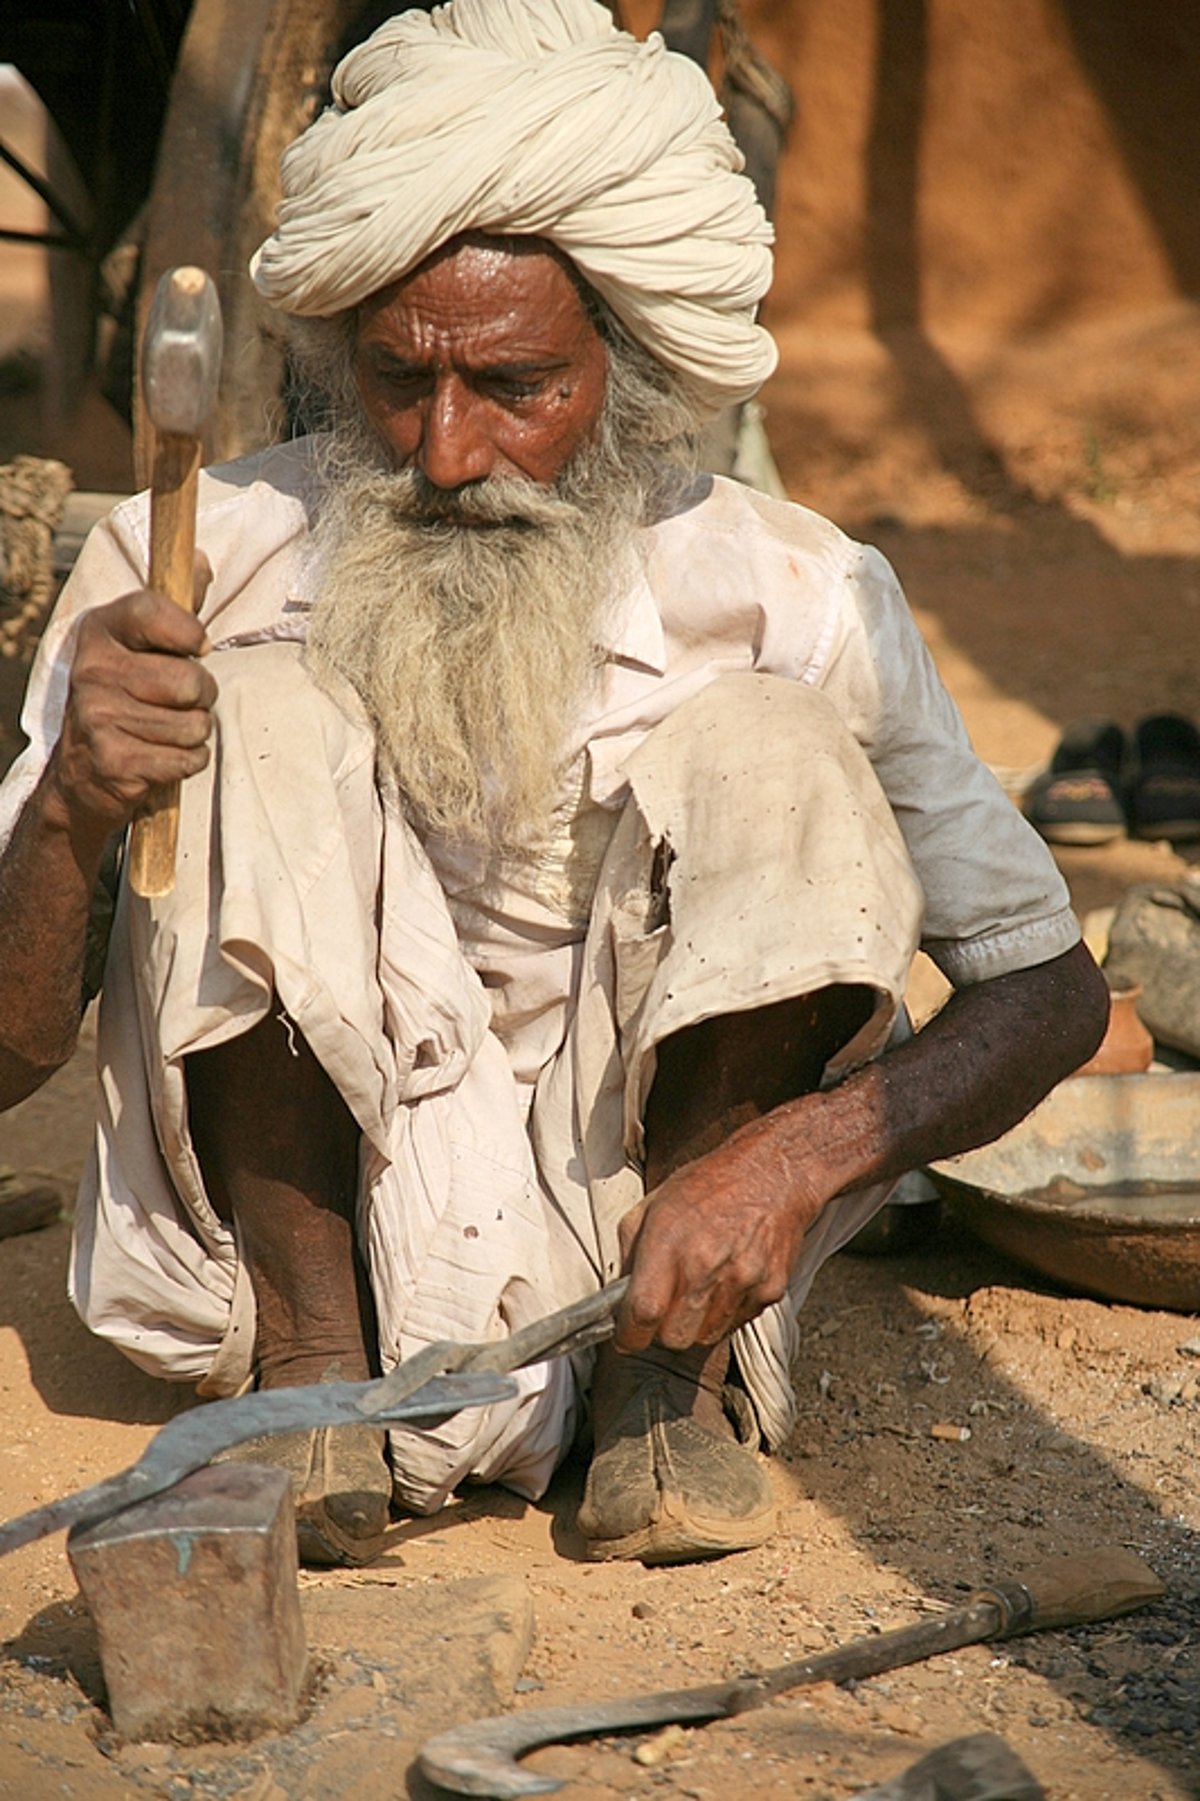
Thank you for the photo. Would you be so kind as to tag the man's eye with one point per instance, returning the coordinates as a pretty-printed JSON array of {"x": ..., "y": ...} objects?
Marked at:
[
  {"x": 405, "y": 380},
  {"x": 512, "y": 387}
]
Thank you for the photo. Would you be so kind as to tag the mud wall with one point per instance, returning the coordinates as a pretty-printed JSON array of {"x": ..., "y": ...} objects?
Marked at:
[{"x": 999, "y": 167}]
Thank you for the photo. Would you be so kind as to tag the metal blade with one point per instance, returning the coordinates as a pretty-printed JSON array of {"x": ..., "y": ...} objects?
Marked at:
[
  {"x": 571, "y": 1328},
  {"x": 437, "y": 1381},
  {"x": 480, "y": 1758},
  {"x": 193, "y": 1439}
]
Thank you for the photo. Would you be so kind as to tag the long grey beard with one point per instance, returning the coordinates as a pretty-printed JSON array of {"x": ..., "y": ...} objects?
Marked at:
[{"x": 468, "y": 624}]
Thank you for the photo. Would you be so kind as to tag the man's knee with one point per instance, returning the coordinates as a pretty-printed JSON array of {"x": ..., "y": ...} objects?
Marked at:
[
  {"x": 785, "y": 874},
  {"x": 771, "y": 736}
]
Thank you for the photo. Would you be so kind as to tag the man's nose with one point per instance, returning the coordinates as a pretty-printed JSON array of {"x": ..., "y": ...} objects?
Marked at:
[{"x": 455, "y": 447}]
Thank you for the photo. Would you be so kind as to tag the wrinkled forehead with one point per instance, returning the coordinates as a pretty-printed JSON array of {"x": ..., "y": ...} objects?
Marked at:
[
  {"x": 480, "y": 271},
  {"x": 483, "y": 305}
]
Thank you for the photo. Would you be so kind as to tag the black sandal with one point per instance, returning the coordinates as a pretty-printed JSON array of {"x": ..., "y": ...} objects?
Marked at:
[
  {"x": 1078, "y": 799},
  {"x": 1164, "y": 787}
]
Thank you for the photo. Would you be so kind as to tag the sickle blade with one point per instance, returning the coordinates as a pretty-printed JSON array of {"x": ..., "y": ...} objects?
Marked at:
[{"x": 480, "y": 1758}]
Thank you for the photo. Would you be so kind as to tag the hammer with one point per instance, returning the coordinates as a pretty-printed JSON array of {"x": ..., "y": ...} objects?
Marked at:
[
  {"x": 480, "y": 1758},
  {"x": 181, "y": 363}
]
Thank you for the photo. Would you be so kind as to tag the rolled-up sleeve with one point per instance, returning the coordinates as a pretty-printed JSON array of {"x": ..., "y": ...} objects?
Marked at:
[
  {"x": 994, "y": 898},
  {"x": 111, "y": 563}
]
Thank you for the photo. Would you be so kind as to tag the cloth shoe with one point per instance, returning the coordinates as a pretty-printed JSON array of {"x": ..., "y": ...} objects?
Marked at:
[
  {"x": 341, "y": 1487},
  {"x": 674, "y": 1474},
  {"x": 1164, "y": 787},
  {"x": 1078, "y": 799}
]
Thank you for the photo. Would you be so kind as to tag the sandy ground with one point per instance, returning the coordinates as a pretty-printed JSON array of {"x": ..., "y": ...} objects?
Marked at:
[
  {"x": 1039, "y": 502},
  {"x": 1054, "y": 560}
]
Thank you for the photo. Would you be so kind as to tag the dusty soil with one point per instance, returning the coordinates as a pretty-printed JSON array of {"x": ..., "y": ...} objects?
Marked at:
[
  {"x": 1053, "y": 556},
  {"x": 1082, "y": 1421},
  {"x": 1038, "y": 499}
]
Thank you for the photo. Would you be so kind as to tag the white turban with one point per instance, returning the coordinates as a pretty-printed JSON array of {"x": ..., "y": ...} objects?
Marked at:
[{"x": 534, "y": 118}]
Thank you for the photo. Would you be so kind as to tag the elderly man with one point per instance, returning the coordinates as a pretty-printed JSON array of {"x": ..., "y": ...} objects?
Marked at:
[{"x": 558, "y": 827}]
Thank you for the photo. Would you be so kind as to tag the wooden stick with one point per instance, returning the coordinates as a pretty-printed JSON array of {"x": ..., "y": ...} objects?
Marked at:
[{"x": 172, "y": 556}]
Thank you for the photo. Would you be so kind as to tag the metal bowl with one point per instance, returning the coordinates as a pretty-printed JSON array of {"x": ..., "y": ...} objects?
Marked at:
[{"x": 1098, "y": 1188}]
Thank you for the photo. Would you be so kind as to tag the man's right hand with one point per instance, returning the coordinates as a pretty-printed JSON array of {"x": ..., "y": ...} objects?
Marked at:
[{"x": 139, "y": 711}]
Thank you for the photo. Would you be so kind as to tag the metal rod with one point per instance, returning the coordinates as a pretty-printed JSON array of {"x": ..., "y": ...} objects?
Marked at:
[
  {"x": 53, "y": 240},
  {"x": 44, "y": 193},
  {"x": 192, "y": 1439}
]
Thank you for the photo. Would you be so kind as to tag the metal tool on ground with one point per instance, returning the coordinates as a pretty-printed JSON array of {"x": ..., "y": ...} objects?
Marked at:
[
  {"x": 193, "y": 1439},
  {"x": 196, "y": 1605},
  {"x": 980, "y": 1767},
  {"x": 480, "y": 1758},
  {"x": 440, "y": 1380},
  {"x": 181, "y": 365}
]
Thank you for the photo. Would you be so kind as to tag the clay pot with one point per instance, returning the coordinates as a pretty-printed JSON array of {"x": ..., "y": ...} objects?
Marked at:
[{"x": 1127, "y": 1047}]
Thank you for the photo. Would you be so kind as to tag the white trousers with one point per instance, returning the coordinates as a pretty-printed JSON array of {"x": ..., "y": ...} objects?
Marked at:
[{"x": 299, "y": 886}]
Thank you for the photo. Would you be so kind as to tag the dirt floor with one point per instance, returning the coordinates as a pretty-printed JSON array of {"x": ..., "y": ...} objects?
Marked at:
[
  {"x": 1040, "y": 509},
  {"x": 1039, "y": 502}
]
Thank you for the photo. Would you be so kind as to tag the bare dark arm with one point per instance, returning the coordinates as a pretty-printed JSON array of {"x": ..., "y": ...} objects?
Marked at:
[
  {"x": 980, "y": 1065},
  {"x": 46, "y": 881},
  {"x": 716, "y": 1243},
  {"x": 138, "y": 713}
]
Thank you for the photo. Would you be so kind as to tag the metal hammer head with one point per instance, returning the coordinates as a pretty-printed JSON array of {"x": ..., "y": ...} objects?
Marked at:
[{"x": 181, "y": 354}]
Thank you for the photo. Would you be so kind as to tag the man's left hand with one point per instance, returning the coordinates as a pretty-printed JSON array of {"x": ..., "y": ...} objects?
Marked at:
[
  {"x": 715, "y": 1243},
  {"x": 718, "y": 1240}
]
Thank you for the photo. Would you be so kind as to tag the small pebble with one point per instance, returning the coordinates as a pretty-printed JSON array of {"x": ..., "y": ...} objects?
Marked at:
[
  {"x": 644, "y": 1610},
  {"x": 655, "y": 1750}
]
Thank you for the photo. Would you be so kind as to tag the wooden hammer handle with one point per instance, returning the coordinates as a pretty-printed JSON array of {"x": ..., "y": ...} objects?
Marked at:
[
  {"x": 1100, "y": 1584},
  {"x": 172, "y": 557}
]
